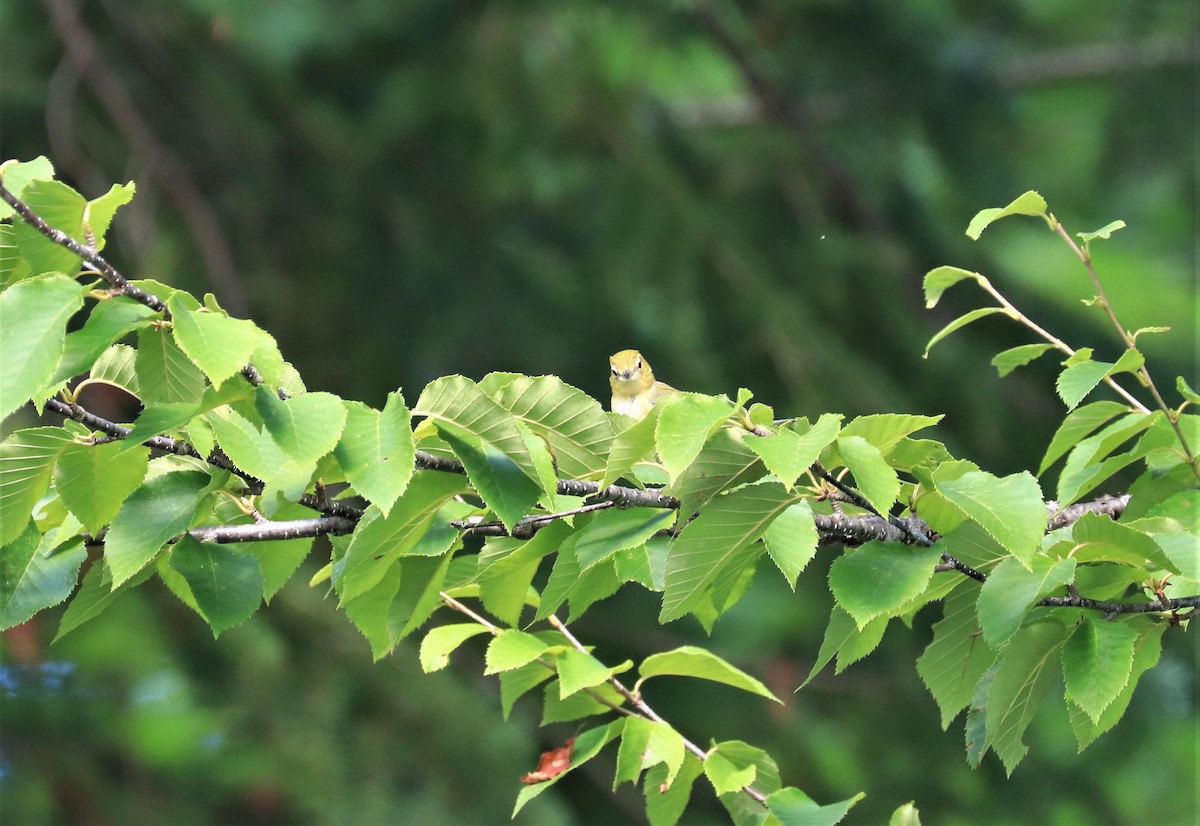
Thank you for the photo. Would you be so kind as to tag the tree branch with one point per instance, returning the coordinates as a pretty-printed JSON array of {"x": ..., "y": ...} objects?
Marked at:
[{"x": 274, "y": 531}]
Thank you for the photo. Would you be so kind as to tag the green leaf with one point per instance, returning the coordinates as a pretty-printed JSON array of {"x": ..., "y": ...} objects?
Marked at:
[
  {"x": 664, "y": 808},
  {"x": 1076, "y": 381},
  {"x": 1104, "y": 232},
  {"x": 724, "y": 463},
  {"x": 741, "y": 807},
  {"x": 116, "y": 366},
  {"x": 954, "y": 661},
  {"x": 645, "y": 564},
  {"x": 245, "y": 444},
  {"x": 788, "y": 454},
  {"x": 1021, "y": 682},
  {"x": 886, "y": 430},
  {"x": 879, "y": 577},
  {"x": 17, "y": 175},
  {"x": 1029, "y": 203},
  {"x": 632, "y": 749},
  {"x": 615, "y": 530},
  {"x": 1097, "y": 661},
  {"x": 1078, "y": 424},
  {"x": 578, "y": 670},
  {"x": 793, "y": 807},
  {"x": 1184, "y": 389},
  {"x": 906, "y": 815},
  {"x": 305, "y": 427},
  {"x": 159, "y": 510},
  {"x": 33, "y": 320},
  {"x": 94, "y": 480},
  {"x": 1011, "y": 589},
  {"x": 1147, "y": 650},
  {"x": 571, "y": 422},
  {"x": 442, "y": 641},
  {"x": 937, "y": 281},
  {"x": 219, "y": 345},
  {"x": 685, "y": 422},
  {"x": 108, "y": 321},
  {"x": 792, "y": 540},
  {"x": 227, "y": 584},
  {"x": 1010, "y": 509},
  {"x": 717, "y": 536},
  {"x": 511, "y": 649},
  {"x": 648, "y": 743},
  {"x": 1007, "y": 361},
  {"x": 62, "y": 208},
  {"x": 874, "y": 477},
  {"x": 632, "y": 445},
  {"x": 164, "y": 372},
  {"x": 379, "y": 540},
  {"x": 725, "y": 775},
  {"x": 578, "y": 705},
  {"x": 962, "y": 321},
  {"x": 376, "y": 450},
  {"x": 1099, "y": 539},
  {"x": 36, "y": 572},
  {"x": 93, "y": 597},
  {"x": 98, "y": 214},
  {"x": 27, "y": 459},
  {"x": 519, "y": 682},
  {"x": 690, "y": 661},
  {"x": 1089, "y": 463}
]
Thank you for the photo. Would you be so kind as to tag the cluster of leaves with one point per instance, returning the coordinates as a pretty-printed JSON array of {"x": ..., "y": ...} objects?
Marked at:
[{"x": 522, "y": 493}]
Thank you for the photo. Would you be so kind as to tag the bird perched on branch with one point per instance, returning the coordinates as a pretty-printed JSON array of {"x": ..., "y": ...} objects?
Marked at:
[{"x": 634, "y": 389}]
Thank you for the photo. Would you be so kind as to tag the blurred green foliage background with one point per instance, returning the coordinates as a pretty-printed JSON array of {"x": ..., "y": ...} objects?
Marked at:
[{"x": 750, "y": 193}]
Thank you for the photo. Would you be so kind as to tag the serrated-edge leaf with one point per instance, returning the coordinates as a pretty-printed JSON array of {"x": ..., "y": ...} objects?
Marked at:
[
  {"x": 1097, "y": 661},
  {"x": 962, "y": 321},
  {"x": 957, "y": 657},
  {"x": 940, "y": 279},
  {"x": 441, "y": 642},
  {"x": 874, "y": 477},
  {"x": 33, "y": 321},
  {"x": 1023, "y": 678},
  {"x": 1011, "y": 589},
  {"x": 1008, "y": 360},
  {"x": 36, "y": 572},
  {"x": 226, "y": 583},
  {"x": 511, "y": 649},
  {"x": 692, "y": 661},
  {"x": 1077, "y": 425},
  {"x": 878, "y": 578},
  {"x": 27, "y": 459},
  {"x": 1009, "y": 508},
  {"x": 376, "y": 450},
  {"x": 1028, "y": 203}
]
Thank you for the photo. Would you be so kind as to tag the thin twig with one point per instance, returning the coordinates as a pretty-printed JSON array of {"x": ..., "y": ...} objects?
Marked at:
[{"x": 643, "y": 707}]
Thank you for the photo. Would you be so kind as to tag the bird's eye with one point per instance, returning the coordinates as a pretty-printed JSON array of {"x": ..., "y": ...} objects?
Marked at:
[
  {"x": 639, "y": 364},
  {"x": 615, "y": 371}
]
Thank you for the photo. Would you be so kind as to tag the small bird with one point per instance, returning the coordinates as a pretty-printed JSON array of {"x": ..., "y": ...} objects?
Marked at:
[{"x": 634, "y": 390}]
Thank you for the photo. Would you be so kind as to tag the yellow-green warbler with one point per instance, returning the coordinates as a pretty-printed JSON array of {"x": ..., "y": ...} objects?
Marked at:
[{"x": 634, "y": 390}]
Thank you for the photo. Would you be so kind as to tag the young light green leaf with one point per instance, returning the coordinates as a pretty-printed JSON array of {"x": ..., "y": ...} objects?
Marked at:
[
  {"x": 379, "y": 540},
  {"x": 581, "y": 704},
  {"x": 691, "y": 661},
  {"x": 95, "y": 594},
  {"x": 442, "y": 641},
  {"x": 1099, "y": 539},
  {"x": 1097, "y": 661},
  {"x": 1078, "y": 424},
  {"x": 218, "y": 344},
  {"x": 578, "y": 670},
  {"x": 37, "y": 572},
  {"x": 632, "y": 445},
  {"x": 615, "y": 530},
  {"x": 227, "y": 584},
  {"x": 511, "y": 649},
  {"x": 27, "y": 459},
  {"x": 886, "y": 430},
  {"x": 906, "y": 815},
  {"x": 1008, "y": 508},
  {"x": 632, "y": 749},
  {"x": 877, "y": 578},
  {"x": 116, "y": 366},
  {"x": 1089, "y": 463},
  {"x": 94, "y": 480},
  {"x": 791, "y": 540},
  {"x": 685, "y": 422},
  {"x": 62, "y": 208},
  {"x": 957, "y": 657},
  {"x": 663, "y": 746},
  {"x": 244, "y": 443},
  {"x": 164, "y": 372},
  {"x": 98, "y": 214},
  {"x": 1184, "y": 389},
  {"x": 1076, "y": 381},
  {"x": 874, "y": 477},
  {"x": 1011, "y": 588},
  {"x": 725, "y": 775},
  {"x": 937, "y": 281},
  {"x": 1008, "y": 360},
  {"x": 573, "y": 423},
  {"x": 717, "y": 536},
  {"x": 665, "y": 807},
  {"x": 519, "y": 682},
  {"x": 1028, "y": 203},
  {"x": 793, "y": 807},
  {"x": 788, "y": 454},
  {"x": 376, "y": 450},
  {"x": 962, "y": 321},
  {"x": 1105, "y": 232},
  {"x": 1021, "y": 682},
  {"x": 305, "y": 427},
  {"x": 741, "y": 807},
  {"x": 108, "y": 321},
  {"x": 160, "y": 509},
  {"x": 33, "y": 321},
  {"x": 18, "y": 174}
]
